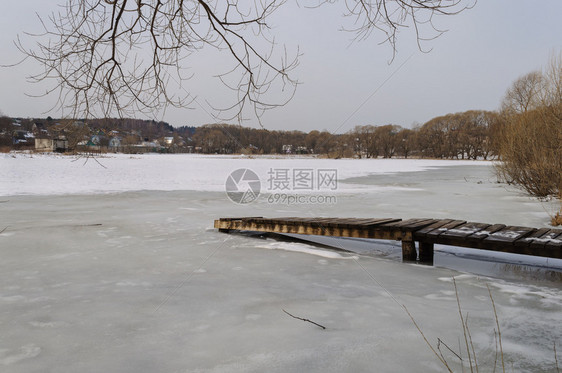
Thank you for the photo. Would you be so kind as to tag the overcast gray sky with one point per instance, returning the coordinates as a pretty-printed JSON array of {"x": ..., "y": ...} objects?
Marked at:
[{"x": 347, "y": 84}]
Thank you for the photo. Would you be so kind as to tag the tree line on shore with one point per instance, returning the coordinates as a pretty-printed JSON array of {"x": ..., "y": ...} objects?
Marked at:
[{"x": 467, "y": 135}]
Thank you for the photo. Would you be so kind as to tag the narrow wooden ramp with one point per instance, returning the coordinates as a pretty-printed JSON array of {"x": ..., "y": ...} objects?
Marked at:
[{"x": 543, "y": 242}]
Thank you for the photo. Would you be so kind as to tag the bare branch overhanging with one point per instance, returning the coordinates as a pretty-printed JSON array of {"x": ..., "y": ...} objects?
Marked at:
[{"x": 107, "y": 57}]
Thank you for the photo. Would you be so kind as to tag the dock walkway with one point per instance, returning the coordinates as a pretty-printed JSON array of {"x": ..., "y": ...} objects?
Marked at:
[{"x": 544, "y": 242}]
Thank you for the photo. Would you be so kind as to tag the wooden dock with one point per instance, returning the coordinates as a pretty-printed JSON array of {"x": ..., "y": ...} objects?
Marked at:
[{"x": 544, "y": 242}]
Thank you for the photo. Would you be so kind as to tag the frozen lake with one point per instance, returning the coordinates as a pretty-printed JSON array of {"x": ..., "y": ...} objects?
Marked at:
[{"x": 117, "y": 269}]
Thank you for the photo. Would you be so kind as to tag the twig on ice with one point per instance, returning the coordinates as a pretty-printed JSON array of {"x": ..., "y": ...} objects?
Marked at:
[
  {"x": 556, "y": 358},
  {"x": 440, "y": 342},
  {"x": 299, "y": 318},
  {"x": 88, "y": 158}
]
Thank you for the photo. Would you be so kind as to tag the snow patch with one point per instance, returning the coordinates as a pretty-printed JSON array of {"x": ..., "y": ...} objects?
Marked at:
[
  {"x": 305, "y": 249},
  {"x": 8, "y": 357}
]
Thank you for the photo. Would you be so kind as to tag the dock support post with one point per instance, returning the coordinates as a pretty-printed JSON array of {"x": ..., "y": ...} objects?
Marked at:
[
  {"x": 426, "y": 252},
  {"x": 409, "y": 253}
]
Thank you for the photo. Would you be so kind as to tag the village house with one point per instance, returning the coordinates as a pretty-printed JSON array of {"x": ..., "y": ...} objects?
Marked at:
[{"x": 59, "y": 145}]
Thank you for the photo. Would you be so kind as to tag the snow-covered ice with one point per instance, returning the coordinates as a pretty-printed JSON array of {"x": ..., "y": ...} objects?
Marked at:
[
  {"x": 118, "y": 269},
  {"x": 51, "y": 174}
]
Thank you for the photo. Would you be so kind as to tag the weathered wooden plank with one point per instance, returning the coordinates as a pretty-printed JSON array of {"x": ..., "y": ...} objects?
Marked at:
[
  {"x": 403, "y": 223},
  {"x": 291, "y": 220},
  {"x": 320, "y": 220},
  {"x": 421, "y": 233},
  {"x": 457, "y": 236},
  {"x": 419, "y": 225},
  {"x": 554, "y": 251},
  {"x": 298, "y": 221},
  {"x": 400, "y": 225},
  {"x": 482, "y": 234},
  {"x": 325, "y": 222},
  {"x": 549, "y": 246},
  {"x": 509, "y": 235},
  {"x": 352, "y": 222},
  {"x": 555, "y": 242},
  {"x": 228, "y": 224},
  {"x": 357, "y": 220},
  {"x": 242, "y": 218},
  {"x": 328, "y": 224},
  {"x": 375, "y": 222},
  {"x": 465, "y": 230},
  {"x": 541, "y": 242},
  {"x": 526, "y": 241},
  {"x": 436, "y": 232},
  {"x": 552, "y": 234}
]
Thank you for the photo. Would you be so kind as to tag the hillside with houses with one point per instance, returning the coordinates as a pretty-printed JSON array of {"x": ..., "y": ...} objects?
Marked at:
[{"x": 94, "y": 136}]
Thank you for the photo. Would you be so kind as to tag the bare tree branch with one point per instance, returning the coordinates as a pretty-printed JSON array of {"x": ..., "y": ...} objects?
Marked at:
[
  {"x": 306, "y": 320},
  {"x": 128, "y": 56}
]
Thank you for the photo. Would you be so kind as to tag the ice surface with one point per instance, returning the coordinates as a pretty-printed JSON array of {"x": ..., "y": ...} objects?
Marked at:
[
  {"x": 50, "y": 174},
  {"x": 126, "y": 275}
]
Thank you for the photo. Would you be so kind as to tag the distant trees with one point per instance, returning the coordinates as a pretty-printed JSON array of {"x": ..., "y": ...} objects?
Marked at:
[
  {"x": 5, "y": 132},
  {"x": 5, "y": 124},
  {"x": 386, "y": 141},
  {"x": 406, "y": 142},
  {"x": 464, "y": 135},
  {"x": 212, "y": 140},
  {"x": 228, "y": 139},
  {"x": 363, "y": 139},
  {"x": 150, "y": 129}
]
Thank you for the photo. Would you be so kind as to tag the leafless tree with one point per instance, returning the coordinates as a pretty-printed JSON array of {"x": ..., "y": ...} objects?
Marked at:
[
  {"x": 531, "y": 140},
  {"x": 125, "y": 56},
  {"x": 364, "y": 140},
  {"x": 525, "y": 93},
  {"x": 406, "y": 141}
]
